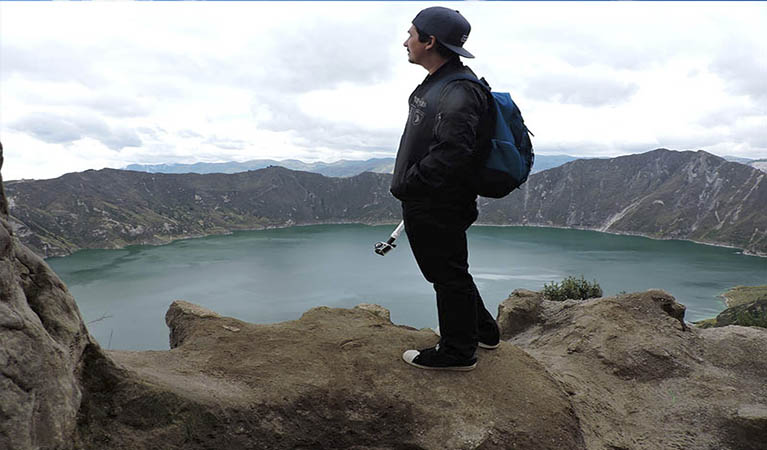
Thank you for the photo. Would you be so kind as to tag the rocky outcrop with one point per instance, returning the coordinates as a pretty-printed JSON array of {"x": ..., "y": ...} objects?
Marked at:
[
  {"x": 639, "y": 379},
  {"x": 42, "y": 345},
  {"x": 519, "y": 312},
  {"x": 332, "y": 379}
]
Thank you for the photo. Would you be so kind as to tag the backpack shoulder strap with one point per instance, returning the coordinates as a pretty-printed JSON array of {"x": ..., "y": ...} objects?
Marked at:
[{"x": 469, "y": 77}]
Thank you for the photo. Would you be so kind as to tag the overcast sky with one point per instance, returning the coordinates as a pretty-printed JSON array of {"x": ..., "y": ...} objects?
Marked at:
[{"x": 93, "y": 85}]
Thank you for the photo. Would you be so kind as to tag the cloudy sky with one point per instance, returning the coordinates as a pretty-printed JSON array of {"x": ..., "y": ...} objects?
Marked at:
[{"x": 93, "y": 85}]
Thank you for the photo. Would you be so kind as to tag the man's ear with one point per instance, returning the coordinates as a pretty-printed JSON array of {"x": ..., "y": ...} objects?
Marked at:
[{"x": 432, "y": 43}]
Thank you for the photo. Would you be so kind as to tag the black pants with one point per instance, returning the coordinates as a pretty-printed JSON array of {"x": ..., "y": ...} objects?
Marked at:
[{"x": 437, "y": 236}]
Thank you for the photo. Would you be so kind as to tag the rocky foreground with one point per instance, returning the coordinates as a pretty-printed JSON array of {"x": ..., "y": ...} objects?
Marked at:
[{"x": 612, "y": 373}]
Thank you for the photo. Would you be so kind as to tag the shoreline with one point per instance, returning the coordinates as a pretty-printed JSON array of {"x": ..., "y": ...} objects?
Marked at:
[
  {"x": 173, "y": 239},
  {"x": 742, "y": 295},
  {"x": 394, "y": 223},
  {"x": 628, "y": 233}
]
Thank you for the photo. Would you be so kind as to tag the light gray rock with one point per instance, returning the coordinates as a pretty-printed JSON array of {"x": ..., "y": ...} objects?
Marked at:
[{"x": 42, "y": 340}]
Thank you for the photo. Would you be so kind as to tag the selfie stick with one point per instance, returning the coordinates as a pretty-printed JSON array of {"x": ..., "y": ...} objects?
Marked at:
[{"x": 383, "y": 247}]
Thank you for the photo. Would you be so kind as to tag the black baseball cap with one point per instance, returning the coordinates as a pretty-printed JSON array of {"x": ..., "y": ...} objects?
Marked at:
[{"x": 447, "y": 25}]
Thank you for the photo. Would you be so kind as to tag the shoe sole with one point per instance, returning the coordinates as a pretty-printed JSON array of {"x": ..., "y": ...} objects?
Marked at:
[
  {"x": 488, "y": 346},
  {"x": 453, "y": 368}
]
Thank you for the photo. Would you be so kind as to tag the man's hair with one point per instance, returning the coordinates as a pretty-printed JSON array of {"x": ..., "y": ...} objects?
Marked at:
[{"x": 441, "y": 49}]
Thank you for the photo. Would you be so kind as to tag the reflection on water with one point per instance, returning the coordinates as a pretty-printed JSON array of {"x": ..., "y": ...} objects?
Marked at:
[{"x": 275, "y": 275}]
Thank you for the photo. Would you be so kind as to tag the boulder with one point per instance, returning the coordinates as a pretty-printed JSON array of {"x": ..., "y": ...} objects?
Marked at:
[
  {"x": 639, "y": 379},
  {"x": 518, "y": 312},
  {"x": 183, "y": 315}
]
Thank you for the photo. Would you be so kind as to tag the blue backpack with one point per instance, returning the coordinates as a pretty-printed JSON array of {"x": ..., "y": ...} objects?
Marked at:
[{"x": 510, "y": 157}]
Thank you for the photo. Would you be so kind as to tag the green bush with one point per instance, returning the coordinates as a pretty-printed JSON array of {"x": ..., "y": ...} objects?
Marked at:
[
  {"x": 572, "y": 288},
  {"x": 747, "y": 319}
]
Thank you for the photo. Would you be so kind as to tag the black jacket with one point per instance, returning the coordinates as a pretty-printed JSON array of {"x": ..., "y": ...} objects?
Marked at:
[{"x": 438, "y": 152}]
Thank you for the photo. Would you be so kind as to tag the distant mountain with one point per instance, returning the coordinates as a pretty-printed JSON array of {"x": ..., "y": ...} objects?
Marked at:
[
  {"x": 662, "y": 194},
  {"x": 738, "y": 159},
  {"x": 545, "y": 162},
  {"x": 760, "y": 164},
  {"x": 342, "y": 168}
]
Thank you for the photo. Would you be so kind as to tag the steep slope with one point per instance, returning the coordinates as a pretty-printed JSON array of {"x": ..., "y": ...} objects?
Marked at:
[{"x": 661, "y": 194}]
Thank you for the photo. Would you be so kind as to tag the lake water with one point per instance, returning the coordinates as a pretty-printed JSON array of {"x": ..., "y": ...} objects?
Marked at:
[{"x": 276, "y": 275}]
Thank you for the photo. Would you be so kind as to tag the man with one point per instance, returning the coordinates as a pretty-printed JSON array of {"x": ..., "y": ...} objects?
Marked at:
[{"x": 436, "y": 159}]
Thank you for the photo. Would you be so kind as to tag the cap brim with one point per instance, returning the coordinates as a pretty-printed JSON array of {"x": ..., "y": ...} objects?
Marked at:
[{"x": 460, "y": 50}]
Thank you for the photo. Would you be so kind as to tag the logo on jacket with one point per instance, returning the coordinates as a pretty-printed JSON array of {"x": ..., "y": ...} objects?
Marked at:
[{"x": 417, "y": 110}]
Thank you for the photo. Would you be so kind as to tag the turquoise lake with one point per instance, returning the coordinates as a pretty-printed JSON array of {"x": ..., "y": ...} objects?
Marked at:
[{"x": 275, "y": 275}]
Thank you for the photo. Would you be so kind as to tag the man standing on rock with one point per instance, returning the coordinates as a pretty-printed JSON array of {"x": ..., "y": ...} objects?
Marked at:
[{"x": 432, "y": 177}]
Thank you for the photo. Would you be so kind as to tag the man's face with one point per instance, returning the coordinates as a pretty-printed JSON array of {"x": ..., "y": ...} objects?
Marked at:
[{"x": 415, "y": 50}]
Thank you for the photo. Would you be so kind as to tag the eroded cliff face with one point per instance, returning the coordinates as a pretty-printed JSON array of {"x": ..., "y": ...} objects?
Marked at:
[{"x": 42, "y": 341}]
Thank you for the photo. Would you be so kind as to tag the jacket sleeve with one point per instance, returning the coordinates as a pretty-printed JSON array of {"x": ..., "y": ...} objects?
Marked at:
[{"x": 450, "y": 157}]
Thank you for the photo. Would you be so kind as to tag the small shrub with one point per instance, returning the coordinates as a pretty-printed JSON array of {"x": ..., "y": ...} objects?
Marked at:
[
  {"x": 572, "y": 288},
  {"x": 747, "y": 319}
]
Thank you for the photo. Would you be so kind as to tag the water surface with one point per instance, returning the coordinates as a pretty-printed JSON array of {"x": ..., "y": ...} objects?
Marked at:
[{"x": 276, "y": 275}]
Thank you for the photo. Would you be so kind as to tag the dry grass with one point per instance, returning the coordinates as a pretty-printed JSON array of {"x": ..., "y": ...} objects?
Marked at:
[{"x": 740, "y": 295}]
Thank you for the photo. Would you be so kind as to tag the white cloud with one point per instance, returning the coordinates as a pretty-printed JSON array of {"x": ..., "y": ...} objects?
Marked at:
[
  {"x": 580, "y": 89},
  {"x": 90, "y": 85},
  {"x": 743, "y": 65},
  {"x": 66, "y": 129}
]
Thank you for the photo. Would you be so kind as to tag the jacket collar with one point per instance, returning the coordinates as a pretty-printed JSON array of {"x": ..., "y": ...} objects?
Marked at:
[{"x": 449, "y": 67}]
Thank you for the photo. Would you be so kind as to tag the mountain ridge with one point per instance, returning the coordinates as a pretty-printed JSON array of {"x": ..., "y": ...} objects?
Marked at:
[
  {"x": 111, "y": 208},
  {"x": 662, "y": 194},
  {"x": 341, "y": 168}
]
